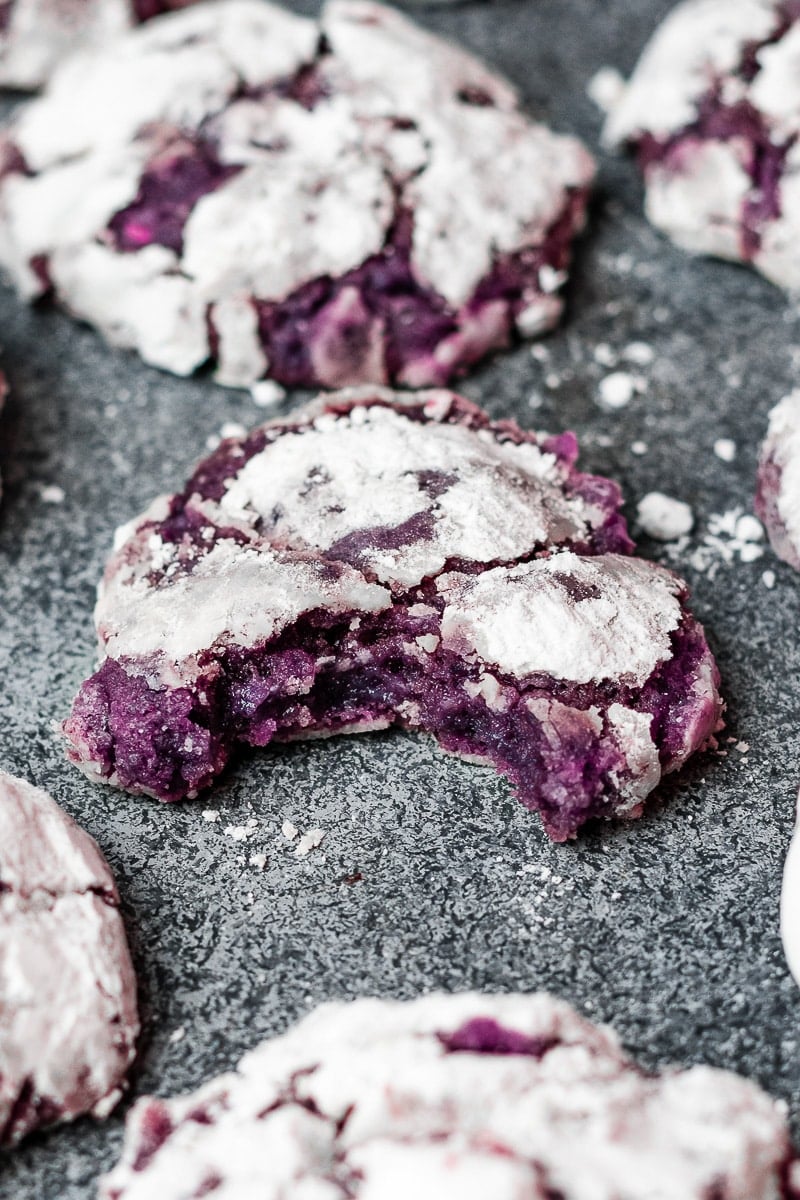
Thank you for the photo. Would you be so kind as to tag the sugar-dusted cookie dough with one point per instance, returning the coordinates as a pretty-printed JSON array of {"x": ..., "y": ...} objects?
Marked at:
[
  {"x": 68, "y": 1019},
  {"x": 449, "y": 1097},
  {"x": 396, "y": 559},
  {"x": 323, "y": 202}
]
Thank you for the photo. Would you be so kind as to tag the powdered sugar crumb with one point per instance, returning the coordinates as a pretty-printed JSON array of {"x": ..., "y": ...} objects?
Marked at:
[
  {"x": 728, "y": 539},
  {"x": 309, "y": 841},
  {"x": 267, "y": 393},
  {"x": 639, "y": 448},
  {"x": 52, "y": 494},
  {"x": 259, "y": 861},
  {"x": 289, "y": 830},
  {"x": 768, "y": 579},
  {"x": 210, "y": 814},
  {"x": 663, "y": 517},
  {"x": 605, "y": 88},
  {"x": 618, "y": 389},
  {"x": 240, "y": 833},
  {"x": 725, "y": 449}
]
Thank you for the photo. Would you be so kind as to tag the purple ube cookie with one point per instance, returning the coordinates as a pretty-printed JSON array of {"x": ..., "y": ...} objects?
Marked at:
[
  {"x": 68, "y": 1018},
  {"x": 778, "y": 492},
  {"x": 387, "y": 559},
  {"x": 456, "y": 1097},
  {"x": 325, "y": 202},
  {"x": 713, "y": 113},
  {"x": 36, "y": 34}
]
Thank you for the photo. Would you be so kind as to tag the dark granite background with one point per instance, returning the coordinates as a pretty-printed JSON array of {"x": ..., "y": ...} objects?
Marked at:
[{"x": 666, "y": 928}]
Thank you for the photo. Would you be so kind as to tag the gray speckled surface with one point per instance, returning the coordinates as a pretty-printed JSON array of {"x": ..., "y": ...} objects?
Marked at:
[{"x": 666, "y": 928}]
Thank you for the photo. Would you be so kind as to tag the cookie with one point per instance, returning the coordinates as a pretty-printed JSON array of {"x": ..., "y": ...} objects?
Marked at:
[
  {"x": 323, "y": 202},
  {"x": 461, "y": 1095},
  {"x": 67, "y": 988},
  {"x": 778, "y": 491},
  {"x": 35, "y": 35},
  {"x": 396, "y": 559},
  {"x": 712, "y": 113},
  {"x": 790, "y": 903}
]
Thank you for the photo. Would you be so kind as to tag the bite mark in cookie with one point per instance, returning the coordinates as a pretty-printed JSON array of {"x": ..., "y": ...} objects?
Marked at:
[
  {"x": 387, "y": 559},
  {"x": 462, "y": 1095},
  {"x": 323, "y": 202},
  {"x": 713, "y": 113},
  {"x": 67, "y": 988}
]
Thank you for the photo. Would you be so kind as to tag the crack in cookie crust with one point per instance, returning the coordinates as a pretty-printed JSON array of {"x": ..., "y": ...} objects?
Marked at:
[
  {"x": 463, "y": 1095},
  {"x": 386, "y": 559},
  {"x": 324, "y": 202},
  {"x": 67, "y": 988}
]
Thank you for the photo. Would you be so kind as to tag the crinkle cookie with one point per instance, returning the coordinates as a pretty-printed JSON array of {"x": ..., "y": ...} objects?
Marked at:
[
  {"x": 778, "y": 492},
  {"x": 68, "y": 1019},
  {"x": 36, "y": 34},
  {"x": 451, "y": 1097},
  {"x": 713, "y": 113},
  {"x": 326, "y": 203},
  {"x": 395, "y": 559}
]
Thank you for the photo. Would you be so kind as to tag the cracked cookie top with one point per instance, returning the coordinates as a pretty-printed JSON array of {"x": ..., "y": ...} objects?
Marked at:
[
  {"x": 67, "y": 988},
  {"x": 462, "y": 1095},
  {"x": 327, "y": 202}
]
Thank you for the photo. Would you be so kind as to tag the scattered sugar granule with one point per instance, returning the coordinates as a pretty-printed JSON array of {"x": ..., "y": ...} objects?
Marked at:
[
  {"x": 604, "y": 355},
  {"x": 177, "y": 1035},
  {"x": 768, "y": 579},
  {"x": 664, "y": 518},
  {"x": 53, "y": 494},
  {"x": 259, "y": 861},
  {"x": 267, "y": 393},
  {"x": 742, "y": 747},
  {"x": 289, "y": 830},
  {"x": 232, "y": 429},
  {"x": 618, "y": 389},
  {"x": 725, "y": 449},
  {"x": 639, "y": 448},
  {"x": 210, "y": 814},
  {"x": 540, "y": 352},
  {"x": 605, "y": 88},
  {"x": 641, "y": 354},
  {"x": 552, "y": 380},
  {"x": 309, "y": 841}
]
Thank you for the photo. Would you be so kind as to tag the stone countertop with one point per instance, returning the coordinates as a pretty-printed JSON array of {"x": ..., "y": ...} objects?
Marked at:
[{"x": 430, "y": 874}]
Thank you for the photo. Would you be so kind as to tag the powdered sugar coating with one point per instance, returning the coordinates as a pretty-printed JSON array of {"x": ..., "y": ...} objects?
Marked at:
[
  {"x": 385, "y": 558},
  {"x": 713, "y": 111},
  {"x": 585, "y": 620},
  {"x": 462, "y": 1095},
  {"x": 67, "y": 988},
  {"x": 325, "y": 202},
  {"x": 778, "y": 492}
]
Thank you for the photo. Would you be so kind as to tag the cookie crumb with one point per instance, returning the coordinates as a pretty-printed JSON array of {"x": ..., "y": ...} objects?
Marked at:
[
  {"x": 309, "y": 841},
  {"x": 641, "y": 354},
  {"x": 639, "y": 448},
  {"x": 52, "y": 494},
  {"x": 749, "y": 529},
  {"x": 604, "y": 355},
  {"x": 605, "y": 88},
  {"x": 664, "y": 518},
  {"x": 725, "y": 448},
  {"x": 289, "y": 830},
  {"x": 239, "y": 833},
  {"x": 210, "y": 814},
  {"x": 177, "y": 1035},
  {"x": 267, "y": 393},
  {"x": 618, "y": 389},
  {"x": 233, "y": 429},
  {"x": 768, "y": 579}
]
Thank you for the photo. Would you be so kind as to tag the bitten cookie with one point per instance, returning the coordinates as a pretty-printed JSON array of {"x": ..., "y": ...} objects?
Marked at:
[
  {"x": 713, "y": 113},
  {"x": 386, "y": 558},
  {"x": 324, "y": 202},
  {"x": 454, "y": 1096},
  {"x": 35, "y": 35},
  {"x": 68, "y": 1019},
  {"x": 778, "y": 492}
]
